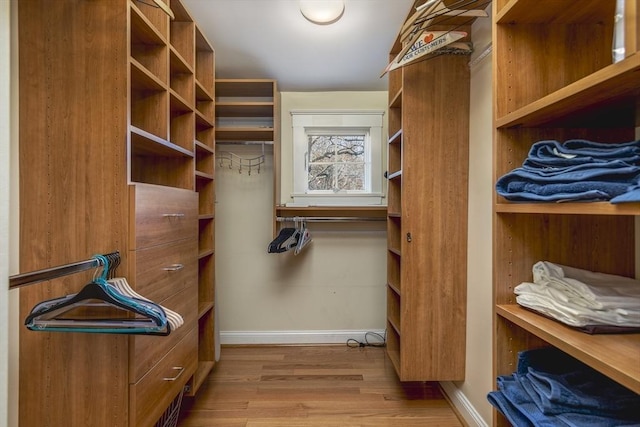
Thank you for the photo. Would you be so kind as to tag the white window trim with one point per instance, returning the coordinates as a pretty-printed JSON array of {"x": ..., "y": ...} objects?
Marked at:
[{"x": 316, "y": 120}]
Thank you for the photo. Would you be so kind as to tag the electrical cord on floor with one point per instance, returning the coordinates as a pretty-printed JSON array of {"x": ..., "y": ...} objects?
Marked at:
[{"x": 381, "y": 340}]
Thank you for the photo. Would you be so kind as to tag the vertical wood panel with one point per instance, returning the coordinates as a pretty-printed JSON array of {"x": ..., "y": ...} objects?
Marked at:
[
  {"x": 435, "y": 106},
  {"x": 72, "y": 197}
]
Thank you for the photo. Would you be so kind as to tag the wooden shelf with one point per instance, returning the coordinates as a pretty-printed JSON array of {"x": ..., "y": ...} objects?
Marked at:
[
  {"x": 204, "y": 176},
  {"x": 201, "y": 147},
  {"x": 230, "y": 134},
  {"x": 396, "y": 100},
  {"x": 145, "y": 143},
  {"x": 395, "y": 175},
  {"x": 395, "y": 251},
  {"x": 614, "y": 355},
  {"x": 205, "y": 253},
  {"x": 141, "y": 78},
  {"x": 244, "y": 109},
  {"x": 199, "y": 377},
  {"x": 204, "y": 307},
  {"x": 586, "y": 102},
  {"x": 587, "y": 208},
  {"x": 553, "y": 12},
  {"x": 396, "y": 138},
  {"x": 203, "y": 93}
]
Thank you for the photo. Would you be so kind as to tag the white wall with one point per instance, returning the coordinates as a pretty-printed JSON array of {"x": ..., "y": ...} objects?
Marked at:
[
  {"x": 4, "y": 206},
  {"x": 470, "y": 395},
  {"x": 334, "y": 289},
  {"x": 8, "y": 215}
]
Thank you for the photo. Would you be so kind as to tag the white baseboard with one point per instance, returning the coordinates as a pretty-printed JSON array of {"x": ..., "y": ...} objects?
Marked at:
[
  {"x": 296, "y": 337},
  {"x": 463, "y": 405}
]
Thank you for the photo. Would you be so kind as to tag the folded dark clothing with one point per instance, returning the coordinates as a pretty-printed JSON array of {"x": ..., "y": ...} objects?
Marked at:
[
  {"x": 614, "y": 170},
  {"x": 581, "y": 182},
  {"x": 573, "y": 152},
  {"x": 576, "y": 170},
  {"x": 561, "y": 162},
  {"x": 548, "y": 359},
  {"x": 563, "y": 384},
  {"x": 498, "y": 400},
  {"x": 583, "y": 146},
  {"x": 519, "y": 398},
  {"x": 631, "y": 196},
  {"x": 586, "y": 420},
  {"x": 584, "y": 391},
  {"x": 605, "y": 189}
]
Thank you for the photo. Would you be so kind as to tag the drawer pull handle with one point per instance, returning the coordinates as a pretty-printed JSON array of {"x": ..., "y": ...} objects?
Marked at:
[
  {"x": 180, "y": 370},
  {"x": 173, "y": 267},
  {"x": 173, "y": 215}
]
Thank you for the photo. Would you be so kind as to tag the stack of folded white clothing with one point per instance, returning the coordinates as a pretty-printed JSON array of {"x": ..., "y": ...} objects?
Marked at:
[{"x": 581, "y": 298}]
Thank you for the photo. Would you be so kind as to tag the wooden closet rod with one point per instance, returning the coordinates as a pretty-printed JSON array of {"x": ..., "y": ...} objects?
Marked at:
[{"x": 54, "y": 272}]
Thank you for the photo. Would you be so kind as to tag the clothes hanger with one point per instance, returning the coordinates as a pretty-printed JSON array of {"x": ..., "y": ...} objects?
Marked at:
[
  {"x": 49, "y": 315},
  {"x": 174, "y": 319},
  {"x": 286, "y": 239},
  {"x": 305, "y": 237}
]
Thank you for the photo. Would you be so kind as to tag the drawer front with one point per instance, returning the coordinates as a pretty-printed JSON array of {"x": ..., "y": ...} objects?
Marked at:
[
  {"x": 149, "y": 397},
  {"x": 147, "y": 350},
  {"x": 162, "y": 214},
  {"x": 160, "y": 271}
]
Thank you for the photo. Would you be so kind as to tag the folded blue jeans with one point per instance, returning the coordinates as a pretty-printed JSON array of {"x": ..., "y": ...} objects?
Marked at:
[{"x": 573, "y": 152}]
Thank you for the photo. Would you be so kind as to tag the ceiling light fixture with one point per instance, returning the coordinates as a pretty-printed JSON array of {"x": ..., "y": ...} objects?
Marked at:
[{"x": 322, "y": 12}]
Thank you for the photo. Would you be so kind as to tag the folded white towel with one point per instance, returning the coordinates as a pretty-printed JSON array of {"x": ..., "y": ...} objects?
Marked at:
[
  {"x": 554, "y": 304},
  {"x": 598, "y": 290},
  {"x": 580, "y": 297}
]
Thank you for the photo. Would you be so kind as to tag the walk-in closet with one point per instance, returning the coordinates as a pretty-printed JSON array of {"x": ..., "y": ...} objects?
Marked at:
[{"x": 376, "y": 213}]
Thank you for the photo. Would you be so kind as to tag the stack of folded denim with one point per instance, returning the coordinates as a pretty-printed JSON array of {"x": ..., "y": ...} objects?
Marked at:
[
  {"x": 576, "y": 170},
  {"x": 594, "y": 302},
  {"x": 552, "y": 389}
]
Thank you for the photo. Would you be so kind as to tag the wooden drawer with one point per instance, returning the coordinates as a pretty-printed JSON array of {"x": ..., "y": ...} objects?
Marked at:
[
  {"x": 146, "y": 350},
  {"x": 149, "y": 397},
  {"x": 162, "y": 214},
  {"x": 160, "y": 271}
]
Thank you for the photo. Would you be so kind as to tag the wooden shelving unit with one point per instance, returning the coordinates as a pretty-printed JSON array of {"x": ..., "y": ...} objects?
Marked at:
[
  {"x": 204, "y": 93},
  {"x": 427, "y": 216},
  {"x": 123, "y": 158},
  {"x": 246, "y": 110},
  {"x": 590, "y": 98}
]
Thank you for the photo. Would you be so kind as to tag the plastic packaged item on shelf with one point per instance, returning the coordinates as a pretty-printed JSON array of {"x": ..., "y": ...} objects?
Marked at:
[{"x": 618, "y": 32}]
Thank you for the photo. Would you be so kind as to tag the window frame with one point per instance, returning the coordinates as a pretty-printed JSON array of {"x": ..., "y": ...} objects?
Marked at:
[{"x": 309, "y": 122}]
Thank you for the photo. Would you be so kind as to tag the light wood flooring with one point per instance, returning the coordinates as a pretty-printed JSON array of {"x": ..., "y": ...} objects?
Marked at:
[{"x": 328, "y": 386}]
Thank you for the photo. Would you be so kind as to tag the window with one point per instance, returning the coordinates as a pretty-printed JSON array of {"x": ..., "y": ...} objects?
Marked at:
[
  {"x": 337, "y": 158},
  {"x": 337, "y": 161}
]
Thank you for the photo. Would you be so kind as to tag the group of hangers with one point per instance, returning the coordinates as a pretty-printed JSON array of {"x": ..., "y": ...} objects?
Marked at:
[
  {"x": 85, "y": 311},
  {"x": 288, "y": 238}
]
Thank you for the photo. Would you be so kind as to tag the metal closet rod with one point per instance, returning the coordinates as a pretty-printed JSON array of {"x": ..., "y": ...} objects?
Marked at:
[
  {"x": 55, "y": 272},
  {"x": 328, "y": 218}
]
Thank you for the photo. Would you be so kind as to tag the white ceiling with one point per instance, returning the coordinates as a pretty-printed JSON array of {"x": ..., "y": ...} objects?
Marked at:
[{"x": 271, "y": 39}]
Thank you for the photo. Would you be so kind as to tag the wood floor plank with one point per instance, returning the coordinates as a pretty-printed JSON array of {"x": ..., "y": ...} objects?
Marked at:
[{"x": 312, "y": 386}]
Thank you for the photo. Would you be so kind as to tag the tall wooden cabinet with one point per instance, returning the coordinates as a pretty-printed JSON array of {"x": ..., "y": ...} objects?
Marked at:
[
  {"x": 428, "y": 157},
  {"x": 116, "y": 153},
  {"x": 554, "y": 78}
]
